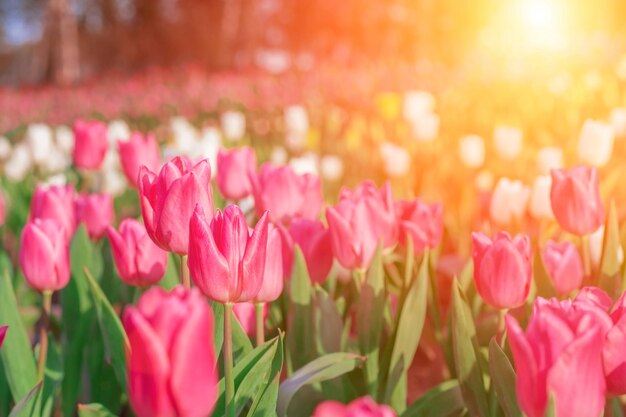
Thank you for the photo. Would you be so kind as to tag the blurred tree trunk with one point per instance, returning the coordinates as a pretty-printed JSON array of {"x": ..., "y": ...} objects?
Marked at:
[{"x": 63, "y": 43}]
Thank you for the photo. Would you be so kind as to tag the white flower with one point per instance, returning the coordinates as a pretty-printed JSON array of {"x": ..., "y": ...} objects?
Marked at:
[
  {"x": 296, "y": 119},
  {"x": 56, "y": 161},
  {"x": 5, "y": 148},
  {"x": 208, "y": 146},
  {"x": 426, "y": 127},
  {"x": 472, "y": 151},
  {"x": 19, "y": 163},
  {"x": 618, "y": 121},
  {"x": 185, "y": 136},
  {"x": 595, "y": 144},
  {"x": 549, "y": 158},
  {"x": 305, "y": 164},
  {"x": 331, "y": 167},
  {"x": 417, "y": 103},
  {"x": 540, "y": 204},
  {"x": 508, "y": 201},
  {"x": 40, "y": 141},
  {"x": 118, "y": 130},
  {"x": 508, "y": 141},
  {"x": 58, "y": 179},
  {"x": 396, "y": 159},
  {"x": 64, "y": 139},
  {"x": 233, "y": 125},
  {"x": 279, "y": 155},
  {"x": 596, "y": 241},
  {"x": 113, "y": 182}
]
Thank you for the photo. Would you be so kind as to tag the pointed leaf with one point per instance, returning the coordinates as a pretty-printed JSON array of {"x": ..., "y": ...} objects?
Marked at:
[
  {"x": 444, "y": 400},
  {"x": 264, "y": 404},
  {"x": 93, "y": 410},
  {"x": 27, "y": 406},
  {"x": 300, "y": 328},
  {"x": 503, "y": 378},
  {"x": 609, "y": 263}
]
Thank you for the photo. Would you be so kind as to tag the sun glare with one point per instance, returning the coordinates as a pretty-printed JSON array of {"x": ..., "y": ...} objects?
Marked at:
[{"x": 540, "y": 14}]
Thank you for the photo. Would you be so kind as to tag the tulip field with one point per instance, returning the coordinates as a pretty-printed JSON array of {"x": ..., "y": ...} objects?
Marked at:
[{"x": 345, "y": 245}]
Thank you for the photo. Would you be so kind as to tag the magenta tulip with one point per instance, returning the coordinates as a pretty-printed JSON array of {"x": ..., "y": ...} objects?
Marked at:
[
  {"x": 171, "y": 363},
  {"x": 138, "y": 260},
  {"x": 137, "y": 151},
  {"x": 233, "y": 168},
  {"x": 168, "y": 201},
  {"x": 226, "y": 261},
  {"x": 502, "y": 269},
  {"x": 286, "y": 194},
  {"x": 3, "y": 333},
  {"x": 613, "y": 354},
  {"x": 3, "y": 209},
  {"x": 423, "y": 222},
  {"x": 576, "y": 202},
  {"x": 44, "y": 255},
  {"x": 90, "y": 144},
  {"x": 362, "y": 218},
  {"x": 564, "y": 266},
  {"x": 559, "y": 356},
  {"x": 314, "y": 241},
  {"x": 273, "y": 276},
  {"x": 361, "y": 407},
  {"x": 55, "y": 202},
  {"x": 96, "y": 212}
]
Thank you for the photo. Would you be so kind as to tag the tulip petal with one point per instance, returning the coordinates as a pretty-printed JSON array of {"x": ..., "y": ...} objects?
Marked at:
[
  {"x": 341, "y": 238},
  {"x": 253, "y": 263}
]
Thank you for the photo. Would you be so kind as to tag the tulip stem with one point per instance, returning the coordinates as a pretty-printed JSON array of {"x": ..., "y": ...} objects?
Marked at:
[
  {"x": 43, "y": 333},
  {"x": 260, "y": 324},
  {"x": 184, "y": 272},
  {"x": 584, "y": 249},
  {"x": 228, "y": 360}
]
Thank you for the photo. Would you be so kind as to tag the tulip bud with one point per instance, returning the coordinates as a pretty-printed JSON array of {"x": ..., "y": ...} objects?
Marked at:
[
  {"x": 396, "y": 160},
  {"x": 40, "y": 142},
  {"x": 137, "y": 151},
  {"x": 225, "y": 261},
  {"x": 233, "y": 167},
  {"x": 549, "y": 158},
  {"x": 595, "y": 144},
  {"x": 508, "y": 201},
  {"x": 168, "y": 201},
  {"x": 138, "y": 260},
  {"x": 273, "y": 274},
  {"x": 95, "y": 211},
  {"x": 233, "y": 125},
  {"x": 185, "y": 136},
  {"x": 171, "y": 364},
  {"x": 564, "y": 266},
  {"x": 613, "y": 353},
  {"x": 423, "y": 222},
  {"x": 576, "y": 202},
  {"x": 540, "y": 206},
  {"x": 508, "y": 142},
  {"x": 90, "y": 144},
  {"x": 502, "y": 269},
  {"x": 472, "y": 151},
  {"x": 314, "y": 241},
  {"x": 44, "y": 255},
  {"x": 55, "y": 202},
  {"x": 361, "y": 407}
]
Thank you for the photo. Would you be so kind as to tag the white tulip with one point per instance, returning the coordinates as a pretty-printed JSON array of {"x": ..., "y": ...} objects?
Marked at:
[
  {"x": 40, "y": 141},
  {"x": 117, "y": 130},
  {"x": 417, "y": 103},
  {"x": 19, "y": 163},
  {"x": 279, "y": 155},
  {"x": 549, "y": 158},
  {"x": 5, "y": 148},
  {"x": 296, "y": 119},
  {"x": 618, "y": 121},
  {"x": 508, "y": 141},
  {"x": 208, "y": 146},
  {"x": 426, "y": 127},
  {"x": 185, "y": 136},
  {"x": 396, "y": 159},
  {"x": 305, "y": 164},
  {"x": 113, "y": 182},
  {"x": 331, "y": 167},
  {"x": 596, "y": 241},
  {"x": 472, "y": 151},
  {"x": 540, "y": 205},
  {"x": 58, "y": 179},
  {"x": 508, "y": 201},
  {"x": 57, "y": 161},
  {"x": 595, "y": 144},
  {"x": 64, "y": 139},
  {"x": 233, "y": 125}
]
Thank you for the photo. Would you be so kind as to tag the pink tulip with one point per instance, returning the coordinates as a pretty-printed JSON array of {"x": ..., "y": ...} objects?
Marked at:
[
  {"x": 138, "y": 260},
  {"x": 576, "y": 202},
  {"x": 362, "y": 218},
  {"x": 3, "y": 209},
  {"x": 613, "y": 354},
  {"x": 168, "y": 201},
  {"x": 44, "y": 255},
  {"x": 96, "y": 212},
  {"x": 3, "y": 333},
  {"x": 314, "y": 241},
  {"x": 55, "y": 202},
  {"x": 171, "y": 363},
  {"x": 233, "y": 167},
  {"x": 286, "y": 194},
  {"x": 90, "y": 144},
  {"x": 502, "y": 269},
  {"x": 246, "y": 316},
  {"x": 137, "y": 151},
  {"x": 226, "y": 261},
  {"x": 423, "y": 222},
  {"x": 361, "y": 407},
  {"x": 273, "y": 276},
  {"x": 563, "y": 265},
  {"x": 559, "y": 356}
]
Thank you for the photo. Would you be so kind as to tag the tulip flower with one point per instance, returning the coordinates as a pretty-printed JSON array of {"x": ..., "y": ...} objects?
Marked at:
[
  {"x": 502, "y": 269},
  {"x": 508, "y": 142},
  {"x": 137, "y": 151},
  {"x": 595, "y": 144},
  {"x": 233, "y": 125},
  {"x": 564, "y": 266},
  {"x": 396, "y": 160},
  {"x": 90, "y": 144},
  {"x": 472, "y": 151},
  {"x": 331, "y": 167},
  {"x": 168, "y": 201},
  {"x": 361, "y": 407},
  {"x": 576, "y": 202},
  {"x": 423, "y": 222},
  {"x": 138, "y": 260},
  {"x": 273, "y": 274},
  {"x": 171, "y": 363},
  {"x": 96, "y": 212},
  {"x": 40, "y": 141},
  {"x": 3, "y": 209},
  {"x": 44, "y": 255},
  {"x": 55, "y": 202},
  {"x": 314, "y": 241},
  {"x": 285, "y": 194},
  {"x": 540, "y": 206},
  {"x": 508, "y": 201},
  {"x": 3, "y": 333},
  {"x": 613, "y": 353},
  {"x": 362, "y": 218},
  {"x": 549, "y": 158},
  {"x": 417, "y": 103},
  {"x": 560, "y": 357},
  {"x": 233, "y": 167},
  {"x": 226, "y": 261}
]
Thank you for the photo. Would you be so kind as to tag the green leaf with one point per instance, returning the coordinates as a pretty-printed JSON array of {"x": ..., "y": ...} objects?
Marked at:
[
  {"x": 93, "y": 410},
  {"x": 551, "y": 408},
  {"x": 28, "y": 406},
  {"x": 264, "y": 403},
  {"x": 218, "y": 326},
  {"x": 84, "y": 253},
  {"x": 17, "y": 357},
  {"x": 503, "y": 378},
  {"x": 444, "y": 400},
  {"x": 328, "y": 322},
  {"x": 321, "y": 369},
  {"x": 609, "y": 263},
  {"x": 115, "y": 340},
  {"x": 370, "y": 312},
  {"x": 465, "y": 349}
]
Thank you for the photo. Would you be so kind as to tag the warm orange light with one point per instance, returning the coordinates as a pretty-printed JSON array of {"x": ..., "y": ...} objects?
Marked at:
[{"x": 540, "y": 14}]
